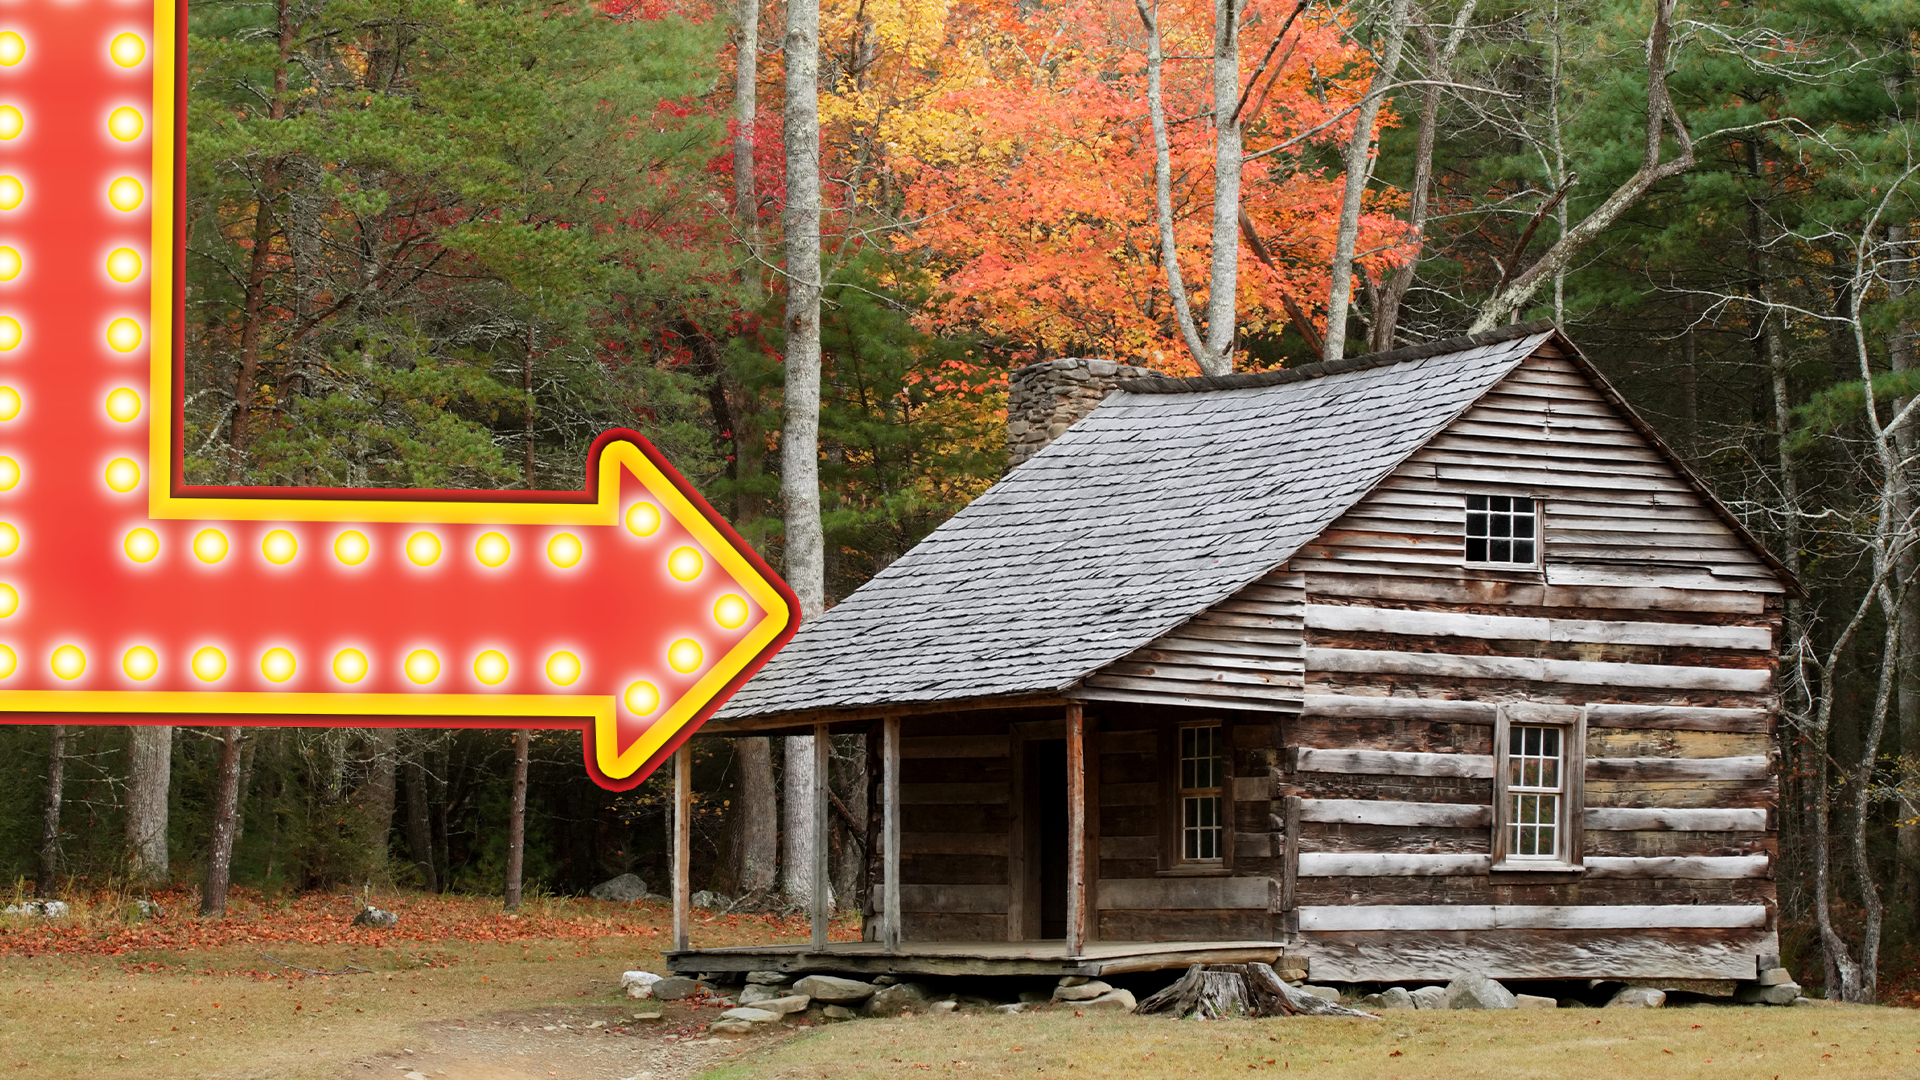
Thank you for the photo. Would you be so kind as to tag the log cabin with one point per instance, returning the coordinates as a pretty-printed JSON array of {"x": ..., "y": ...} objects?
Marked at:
[{"x": 1421, "y": 663}]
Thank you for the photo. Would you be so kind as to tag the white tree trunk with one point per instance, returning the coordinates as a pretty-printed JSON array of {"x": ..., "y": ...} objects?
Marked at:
[
  {"x": 1359, "y": 165},
  {"x": 746, "y": 197},
  {"x": 1223, "y": 281},
  {"x": 798, "y": 836},
  {"x": 149, "y": 777}
]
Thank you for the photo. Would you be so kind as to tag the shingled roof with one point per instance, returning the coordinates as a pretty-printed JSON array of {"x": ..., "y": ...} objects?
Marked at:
[{"x": 1157, "y": 505}]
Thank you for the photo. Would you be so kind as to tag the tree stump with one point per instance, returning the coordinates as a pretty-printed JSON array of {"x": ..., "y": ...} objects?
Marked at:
[{"x": 1217, "y": 991}]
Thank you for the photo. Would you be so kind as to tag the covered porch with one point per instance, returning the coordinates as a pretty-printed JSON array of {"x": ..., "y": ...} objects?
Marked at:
[{"x": 1044, "y": 910}]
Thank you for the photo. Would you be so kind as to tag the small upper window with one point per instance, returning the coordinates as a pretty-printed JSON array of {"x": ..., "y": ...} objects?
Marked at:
[
  {"x": 1202, "y": 830},
  {"x": 1501, "y": 529}
]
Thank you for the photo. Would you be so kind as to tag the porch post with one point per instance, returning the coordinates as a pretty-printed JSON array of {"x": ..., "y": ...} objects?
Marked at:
[
  {"x": 682, "y": 842},
  {"x": 890, "y": 832},
  {"x": 822, "y": 825},
  {"x": 1076, "y": 832}
]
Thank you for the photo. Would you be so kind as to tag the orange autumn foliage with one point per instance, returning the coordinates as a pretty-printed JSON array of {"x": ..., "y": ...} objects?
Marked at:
[{"x": 1013, "y": 141}]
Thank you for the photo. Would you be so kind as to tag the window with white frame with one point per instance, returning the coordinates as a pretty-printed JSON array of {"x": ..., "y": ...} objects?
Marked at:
[
  {"x": 1539, "y": 759},
  {"x": 1202, "y": 832},
  {"x": 1536, "y": 795},
  {"x": 1502, "y": 530}
]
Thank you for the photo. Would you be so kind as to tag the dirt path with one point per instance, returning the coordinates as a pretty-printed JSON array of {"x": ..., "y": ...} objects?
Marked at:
[{"x": 550, "y": 1043}]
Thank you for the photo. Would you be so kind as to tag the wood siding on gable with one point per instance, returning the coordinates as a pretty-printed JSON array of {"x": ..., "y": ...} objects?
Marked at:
[
  {"x": 1243, "y": 653},
  {"x": 1647, "y": 612}
]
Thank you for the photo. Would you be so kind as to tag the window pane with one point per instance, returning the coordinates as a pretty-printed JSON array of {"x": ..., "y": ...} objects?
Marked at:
[
  {"x": 1500, "y": 503},
  {"x": 1523, "y": 526},
  {"x": 1532, "y": 741},
  {"x": 1549, "y": 741},
  {"x": 1476, "y": 551},
  {"x": 1523, "y": 505},
  {"x": 1500, "y": 551},
  {"x": 1476, "y": 502},
  {"x": 1476, "y": 524},
  {"x": 1523, "y": 551}
]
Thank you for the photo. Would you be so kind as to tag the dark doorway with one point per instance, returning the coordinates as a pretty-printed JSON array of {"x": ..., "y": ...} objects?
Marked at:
[{"x": 1046, "y": 784}]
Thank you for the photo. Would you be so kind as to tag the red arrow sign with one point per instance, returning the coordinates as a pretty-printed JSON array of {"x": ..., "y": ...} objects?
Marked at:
[{"x": 628, "y": 609}]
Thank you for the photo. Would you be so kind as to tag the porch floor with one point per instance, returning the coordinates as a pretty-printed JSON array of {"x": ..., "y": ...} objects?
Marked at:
[{"x": 977, "y": 957}]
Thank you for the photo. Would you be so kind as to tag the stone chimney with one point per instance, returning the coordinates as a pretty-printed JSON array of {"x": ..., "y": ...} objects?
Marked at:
[{"x": 1044, "y": 400}]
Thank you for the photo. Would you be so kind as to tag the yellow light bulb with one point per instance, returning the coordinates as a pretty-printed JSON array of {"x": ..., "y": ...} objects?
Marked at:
[
  {"x": 10, "y": 333},
  {"x": 11, "y": 122},
  {"x": 277, "y": 665},
  {"x": 123, "y": 265},
  {"x": 351, "y": 547},
  {"x": 684, "y": 656},
  {"x": 69, "y": 662},
  {"x": 279, "y": 547},
  {"x": 423, "y": 548},
  {"x": 210, "y": 545},
  {"x": 209, "y": 664},
  {"x": 563, "y": 668},
  {"x": 126, "y": 124},
  {"x": 142, "y": 545},
  {"x": 127, "y": 49},
  {"x": 730, "y": 611},
  {"x": 9, "y": 264},
  {"x": 9, "y": 600},
  {"x": 13, "y": 48},
  {"x": 126, "y": 194},
  {"x": 492, "y": 549},
  {"x": 9, "y": 473},
  {"x": 123, "y": 335},
  {"x": 123, "y": 475},
  {"x": 123, "y": 405},
  {"x": 422, "y": 666},
  {"x": 490, "y": 667},
  {"x": 643, "y": 519},
  {"x": 140, "y": 663},
  {"x": 349, "y": 665},
  {"x": 9, "y": 403},
  {"x": 9, "y": 663},
  {"x": 564, "y": 550},
  {"x": 642, "y": 698},
  {"x": 9, "y": 539},
  {"x": 12, "y": 191},
  {"x": 684, "y": 563}
]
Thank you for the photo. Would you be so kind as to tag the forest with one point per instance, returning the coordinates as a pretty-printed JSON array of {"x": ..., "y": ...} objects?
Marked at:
[{"x": 800, "y": 246}]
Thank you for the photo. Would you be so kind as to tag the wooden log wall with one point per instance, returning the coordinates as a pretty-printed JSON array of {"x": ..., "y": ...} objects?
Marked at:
[
  {"x": 955, "y": 814},
  {"x": 1141, "y": 893},
  {"x": 1242, "y": 654},
  {"x": 1648, "y": 612}
]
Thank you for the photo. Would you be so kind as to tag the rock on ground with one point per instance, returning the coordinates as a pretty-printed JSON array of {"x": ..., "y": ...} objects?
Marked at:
[
  {"x": 1754, "y": 994},
  {"x": 730, "y": 1027},
  {"x": 1638, "y": 997},
  {"x": 1535, "y": 1001},
  {"x": 833, "y": 990},
  {"x": 1082, "y": 990},
  {"x": 1774, "y": 977},
  {"x": 1393, "y": 997},
  {"x": 1478, "y": 992},
  {"x": 768, "y": 978},
  {"x": 792, "y": 1003},
  {"x": 1324, "y": 993},
  {"x": 754, "y": 992},
  {"x": 638, "y": 984},
  {"x": 708, "y": 900},
  {"x": 943, "y": 1007},
  {"x": 373, "y": 916},
  {"x": 751, "y": 1015},
  {"x": 896, "y": 999},
  {"x": 1009, "y": 1010},
  {"x": 624, "y": 889},
  {"x": 1429, "y": 997},
  {"x": 676, "y": 988},
  {"x": 46, "y": 909},
  {"x": 838, "y": 1012},
  {"x": 1112, "y": 1001}
]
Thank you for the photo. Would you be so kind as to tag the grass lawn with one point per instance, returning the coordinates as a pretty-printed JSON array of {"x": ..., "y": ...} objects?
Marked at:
[{"x": 1830, "y": 1042}]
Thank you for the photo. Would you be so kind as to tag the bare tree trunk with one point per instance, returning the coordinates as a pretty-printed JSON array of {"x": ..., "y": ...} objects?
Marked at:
[
  {"x": 746, "y": 107},
  {"x": 1393, "y": 294},
  {"x": 149, "y": 778},
  {"x": 378, "y": 794},
  {"x": 1900, "y": 359},
  {"x": 46, "y": 884},
  {"x": 226, "y": 812},
  {"x": 757, "y": 816},
  {"x": 526, "y": 387},
  {"x": 517, "y": 818},
  {"x": 1214, "y": 354},
  {"x": 1359, "y": 166},
  {"x": 256, "y": 289},
  {"x": 1661, "y": 118},
  {"x": 419, "y": 823},
  {"x": 797, "y": 859}
]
